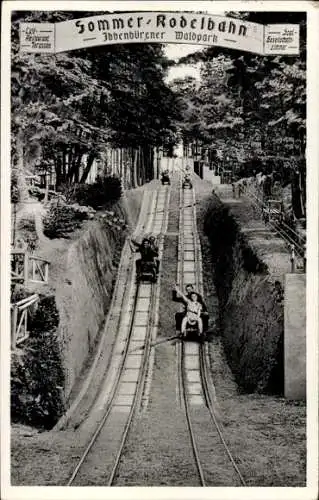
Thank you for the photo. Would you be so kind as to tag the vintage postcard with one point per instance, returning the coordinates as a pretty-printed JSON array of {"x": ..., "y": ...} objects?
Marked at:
[{"x": 159, "y": 250}]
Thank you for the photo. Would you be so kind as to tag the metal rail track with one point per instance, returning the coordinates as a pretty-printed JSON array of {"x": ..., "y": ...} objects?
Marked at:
[
  {"x": 205, "y": 376},
  {"x": 138, "y": 392},
  {"x": 111, "y": 400},
  {"x": 188, "y": 417},
  {"x": 115, "y": 388},
  {"x": 207, "y": 395},
  {"x": 123, "y": 270},
  {"x": 143, "y": 370},
  {"x": 182, "y": 378}
]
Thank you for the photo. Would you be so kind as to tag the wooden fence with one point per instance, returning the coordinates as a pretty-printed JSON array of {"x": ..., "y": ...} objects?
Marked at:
[
  {"x": 19, "y": 319},
  {"x": 39, "y": 269},
  {"x": 28, "y": 268}
]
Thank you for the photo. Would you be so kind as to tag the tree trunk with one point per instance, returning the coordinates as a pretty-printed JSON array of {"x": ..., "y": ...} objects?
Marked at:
[
  {"x": 132, "y": 159},
  {"x": 74, "y": 170},
  {"x": 70, "y": 160},
  {"x": 141, "y": 176},
  {"x": 87, "y": 169},
  {"x": 296, "y": 197},
  {"x": 147, "y": 163},
  {"x": 143, "y": 169},
  {"x": 21, "y": 182},
  {"x": 151, "y": 163},
  {"x": 134, "y": 165},
  {"x": 121, "y": 166},
  {"x": 112, "y": 161},
  {"x": 106, "y": 168},
  {"x": 14, "y": 224},
  {"x": 115, "y": 162},
  {"x": 125, "y": 169},
  {"x": 64, "y": 169},
  {"x": 118, "y": 161},
  {"x": 46, "y": 195},
  {"x": 302, "y": 187},
  {"x": 129, "y": 167},
  {"x": 58, "y": 172},
  {"x": 155, "y": 156},
  {"x": 146, "y": 156},
  {"x": 155, "y": 163},
  {"x": 77, "y": 168}
]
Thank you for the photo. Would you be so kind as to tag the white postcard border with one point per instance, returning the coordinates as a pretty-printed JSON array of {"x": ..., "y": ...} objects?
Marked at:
[{"x": 311, "y": 491}]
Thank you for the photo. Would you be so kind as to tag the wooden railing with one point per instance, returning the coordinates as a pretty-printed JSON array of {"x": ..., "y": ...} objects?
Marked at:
[
  {"x": 28, "y": 268},
  {"x": 19, "y": 266},
  {"x": 19, "y": 319},
  {"x": 39, "y": 269}
]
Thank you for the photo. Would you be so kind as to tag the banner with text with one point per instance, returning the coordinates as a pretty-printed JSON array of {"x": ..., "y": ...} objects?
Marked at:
[
  {"x": 161, "y": 27},
  {"x": 281, "y": 39}
]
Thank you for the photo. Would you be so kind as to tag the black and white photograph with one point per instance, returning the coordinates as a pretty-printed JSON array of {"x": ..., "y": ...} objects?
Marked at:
[{"x": 159, "y": 249}]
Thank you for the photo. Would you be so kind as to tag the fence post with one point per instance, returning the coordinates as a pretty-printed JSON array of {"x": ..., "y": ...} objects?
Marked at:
[
  {"x": 26, "y": 271},
  {"x": 14, "y": 327},
  {"x": 15, "y": 264},
  {"x": 26, "y": 322},
  {"x": 304, "y": 260},
  {"x": 292, "y": 258},
  {"x": 46, "y": 271}
]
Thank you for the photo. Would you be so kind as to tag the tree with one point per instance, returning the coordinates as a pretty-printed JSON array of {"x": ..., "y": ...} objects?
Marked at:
[
  {"x": 251, "y": 107},
  {"x": 75, "y": 105},
  {"x": 56, "y": 106}
]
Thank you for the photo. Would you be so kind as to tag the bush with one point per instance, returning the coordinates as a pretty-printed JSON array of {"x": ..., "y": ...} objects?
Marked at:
[
  {"x": 37, "y": 377},
  {"x": 15, "y": 195},
  {"x": 46, "y": 317},
  {"x": 27, "y": 231},
  {"x": 18, "y": 292},
  {"x": 62, "y": 219},
  {"x": 104, "y": 190},
  {"x": 36, "y": 192},
  {"x": 27, "y": 223},
  {"x": 52, "y": 194}
]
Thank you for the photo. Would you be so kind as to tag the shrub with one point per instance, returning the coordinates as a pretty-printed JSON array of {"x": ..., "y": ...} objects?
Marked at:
[
  {"x": 52, "y": 194},
  {"x": 27, "y": 223},
  {"x": 251, "y": 263},
  {"x": 27, "y": 231},
  {"x": 18, "y": 292},
  {"x": 104, "y": 190},
  {"x": 36, "y": 192},
  {"x": 46, "y": 317},
  {"x": 37, "y": 377},
  {"x": 15, "y": 195},
  {"x": 62, "y": 219}
]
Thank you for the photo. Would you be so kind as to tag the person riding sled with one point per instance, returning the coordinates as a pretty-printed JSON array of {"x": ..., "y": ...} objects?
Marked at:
[
  {"x": 149, "y": 254},
  {"x": 193, "y": 311},
  {"x": 154, "y": 247},
  {"x": 180, "y": 315}
]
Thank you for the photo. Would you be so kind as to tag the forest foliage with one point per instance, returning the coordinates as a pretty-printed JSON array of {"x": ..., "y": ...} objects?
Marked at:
[
  {"x": 68, "y": 107},
  {"x": 249, "y": 111}
]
